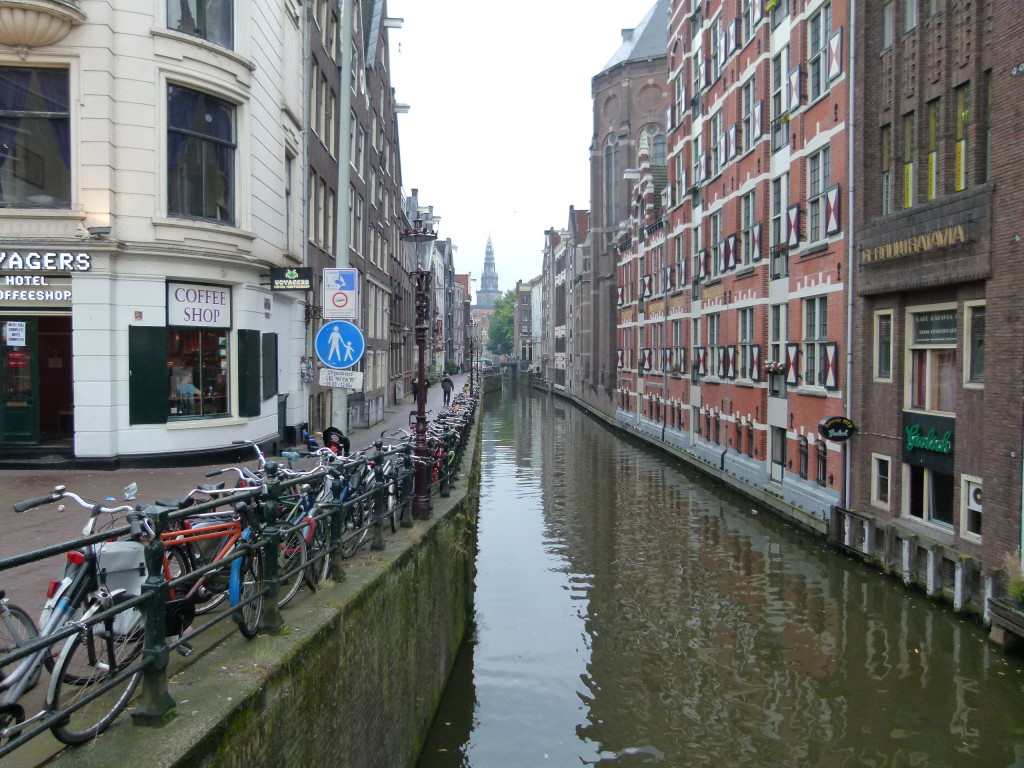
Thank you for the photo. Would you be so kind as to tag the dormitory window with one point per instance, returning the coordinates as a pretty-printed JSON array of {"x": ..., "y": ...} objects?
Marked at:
[
  {"x": 200, "y": 155},
  {"x": 35, "y": 142},
  {"x": 206, "y": 19}
]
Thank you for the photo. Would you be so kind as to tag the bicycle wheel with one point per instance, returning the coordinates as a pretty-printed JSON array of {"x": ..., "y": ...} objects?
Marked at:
[
  {"x": 356, "y": 527},
  {"x": 392, "y": 506},
  {"x": 16, "y": 629},
  {"x": 291, "y": 565},
  {"x": 319, "y": 546},
  {"x": 247, "y": 581},
  {"x": 88, "y": 662}
]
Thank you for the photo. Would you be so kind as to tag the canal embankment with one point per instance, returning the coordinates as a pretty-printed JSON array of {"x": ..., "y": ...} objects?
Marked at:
[{"x": 353, "y": 679}]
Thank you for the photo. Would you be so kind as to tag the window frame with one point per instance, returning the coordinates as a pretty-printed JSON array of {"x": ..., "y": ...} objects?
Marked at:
[
  {"x": 932, "y": 351},
  {"x": 965, "y": 513},
  {"x": 877, "y": 347},
  {"x": 814, "y": 339},
  {"x": 885, "y": 168},
  {"x": 819, "y": 172},
  {"x": 929, "y": 495},
  {"x": 908, "y": 160},
  {"x": 745, "y": 343},
  {"x": 204, "y": 4},
  {"x": 877, "y": 499},
  {"x": 971, "y": 311},
  {"x": 819, "y": 27}
]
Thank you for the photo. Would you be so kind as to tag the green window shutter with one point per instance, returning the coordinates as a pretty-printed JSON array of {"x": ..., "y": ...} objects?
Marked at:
[
  {"x": 248, "y": 375},
  {"x": 269, "y": 365},
  {"x": 148, "y": 386}
]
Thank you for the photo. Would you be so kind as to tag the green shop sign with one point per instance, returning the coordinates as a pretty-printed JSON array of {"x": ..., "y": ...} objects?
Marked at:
[{"x": 928, "y": 441}]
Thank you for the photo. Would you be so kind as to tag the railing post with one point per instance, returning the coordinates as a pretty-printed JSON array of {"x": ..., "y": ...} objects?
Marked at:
[
  {"x": 155, "y": 705},
  {"x": 271, "y": 619},
  {"x": 407, "y": 484},
  {"x": 336, "y": 521}
]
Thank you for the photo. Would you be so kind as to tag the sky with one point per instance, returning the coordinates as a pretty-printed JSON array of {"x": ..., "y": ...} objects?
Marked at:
[{"x": 497, "y": 137}]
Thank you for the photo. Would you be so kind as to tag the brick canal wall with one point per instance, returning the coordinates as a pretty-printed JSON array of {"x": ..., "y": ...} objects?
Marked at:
[{"x": 352, "y": 682}]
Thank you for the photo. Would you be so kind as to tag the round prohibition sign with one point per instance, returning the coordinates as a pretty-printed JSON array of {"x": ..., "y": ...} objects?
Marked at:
[{"x": 340, "y": 300}]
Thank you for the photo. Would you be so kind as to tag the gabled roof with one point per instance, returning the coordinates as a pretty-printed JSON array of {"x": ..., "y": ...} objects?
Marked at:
[{"x": 648, "y": 40}]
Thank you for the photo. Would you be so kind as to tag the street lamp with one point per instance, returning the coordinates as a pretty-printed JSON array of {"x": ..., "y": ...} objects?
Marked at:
[{"x": 421, "y": 232}]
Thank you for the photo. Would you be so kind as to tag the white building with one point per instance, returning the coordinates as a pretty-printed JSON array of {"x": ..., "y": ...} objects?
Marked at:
[{"x": 150, "y": 178}]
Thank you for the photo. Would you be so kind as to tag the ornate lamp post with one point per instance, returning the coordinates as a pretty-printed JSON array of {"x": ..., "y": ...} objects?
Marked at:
[{"x": 421, "y": 233}]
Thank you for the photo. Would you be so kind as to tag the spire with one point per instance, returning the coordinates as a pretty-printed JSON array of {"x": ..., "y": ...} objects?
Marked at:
[{"x": 489, "y": 291}]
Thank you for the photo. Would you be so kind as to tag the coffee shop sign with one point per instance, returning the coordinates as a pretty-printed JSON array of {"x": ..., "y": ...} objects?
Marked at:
[{"x": 206, "y": 306}]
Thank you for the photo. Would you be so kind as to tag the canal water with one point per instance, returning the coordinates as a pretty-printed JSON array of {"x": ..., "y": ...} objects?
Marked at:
[{"x": 629, "y": 612}]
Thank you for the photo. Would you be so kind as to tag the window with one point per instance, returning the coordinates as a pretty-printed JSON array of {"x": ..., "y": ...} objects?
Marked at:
[
  {"x": 818, "y": 28},
  {"x": 714, "y": 321},
  {"x": 818, "y": 173},
  {"x": 289, "y": 167},
  {"x": 963, "y": 122},
  {"x": 821, "y": 454},
  {"x": 908, "y": 160},
  {"x": 777, "y": 337},
  {"x": 750, "y": 439},
  {"x": 748, "y": 220},
  {"x": 715, "y": 234},
  {"x": 881, "y": 471},
  {"x": 746, "y": 21},
  {"x": 929, "y": 495},
  {"x": 986, "y": 118},
  {"x": 909, "y": 15},
  {"x": 656, "y": 145},
  {"x": 612, "y": 179},
  {"x": 197, "y": 365},
  {"x": 35, "y": 138},
  {"x": 780, "y": 128},
  {"x": 803, "y": 458},
  {"x": 748, "y": 97},
  {"x": 778, "y": 447},
  {"x": 970, "y": 505},
  {"x": 815, "y": 338},
  {"x": 886, "y": 168},
  {"x": 780, "y": 199},
  {"x": 932, "y": 359},
  {"x": 745, "y": 325},
  {"x": 888, "y": 23},
  {"x": 717, "y": 52},
  {"x": 779, "y": 12},
  {"x": 933, "y": 149},
  {"x": 200, "y": 156},
  {"x": 974, "y": 369},
  {"x": 208, "y": 20},
  {"x": 883, "y": 346},
  {"x": 717, "y": 144}
]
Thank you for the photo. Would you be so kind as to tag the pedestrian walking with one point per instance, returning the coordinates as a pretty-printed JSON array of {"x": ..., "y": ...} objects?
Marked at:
[{"x": 447, "y": 385}]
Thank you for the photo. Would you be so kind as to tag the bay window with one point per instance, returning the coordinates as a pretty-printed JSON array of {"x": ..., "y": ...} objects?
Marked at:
[{"x": 201, "y": 148}]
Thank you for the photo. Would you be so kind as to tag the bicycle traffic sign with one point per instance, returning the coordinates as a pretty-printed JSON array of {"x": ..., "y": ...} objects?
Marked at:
[
  {"x": 341, "y": 294},
  {"x": 339, "y": 344}
]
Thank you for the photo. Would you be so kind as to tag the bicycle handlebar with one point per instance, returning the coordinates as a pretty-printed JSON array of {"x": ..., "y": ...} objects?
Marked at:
[{"x": 25, "y": 506}]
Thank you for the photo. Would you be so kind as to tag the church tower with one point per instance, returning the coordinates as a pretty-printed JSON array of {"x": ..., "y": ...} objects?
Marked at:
[{"x": 489, "y": 292}]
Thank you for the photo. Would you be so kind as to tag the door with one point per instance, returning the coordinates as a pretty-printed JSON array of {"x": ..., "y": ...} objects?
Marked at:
[{"x": 19, "y": 398}]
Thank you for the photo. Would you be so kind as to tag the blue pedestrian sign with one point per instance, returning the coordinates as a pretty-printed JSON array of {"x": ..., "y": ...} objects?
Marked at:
[{"x": 340, "y": 344}]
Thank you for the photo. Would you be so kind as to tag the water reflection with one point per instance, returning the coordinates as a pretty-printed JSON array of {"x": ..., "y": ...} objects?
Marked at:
[{"x": 631, "y": 613}]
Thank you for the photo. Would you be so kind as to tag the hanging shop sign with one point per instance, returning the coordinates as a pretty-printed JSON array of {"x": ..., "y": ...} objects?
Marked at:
[
  {"x": 837, "y": 428},
  {"x": 928, "y": 441},
  {"x": 291, "y": 278},
  {"x": 195, "y": 305}
]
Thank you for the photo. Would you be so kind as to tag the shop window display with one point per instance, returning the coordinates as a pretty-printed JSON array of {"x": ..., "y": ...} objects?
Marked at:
[{"x": 197, "y": 369}]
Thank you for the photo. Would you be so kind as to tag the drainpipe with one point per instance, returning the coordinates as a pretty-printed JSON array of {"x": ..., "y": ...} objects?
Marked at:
[
  {"x": 307, "y": 55},
  {"x": 339, "y": 399},
  {"x": 850, "y": 262}
]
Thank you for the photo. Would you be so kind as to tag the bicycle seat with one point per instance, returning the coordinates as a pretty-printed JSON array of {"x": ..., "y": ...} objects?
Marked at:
[
  {"x": 183, "y": 503},
  {"x": 210, "y": 487}
]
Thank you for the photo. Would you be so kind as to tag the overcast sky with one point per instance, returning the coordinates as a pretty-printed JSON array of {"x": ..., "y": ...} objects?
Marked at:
[{"x": 497, "y": 137}]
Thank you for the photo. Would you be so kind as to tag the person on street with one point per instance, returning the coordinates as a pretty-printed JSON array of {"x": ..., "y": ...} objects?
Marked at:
[{"x": 447, "y": 385}]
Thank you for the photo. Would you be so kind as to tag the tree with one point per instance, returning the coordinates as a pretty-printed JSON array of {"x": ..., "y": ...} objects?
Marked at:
[{"x": 500, "y": 332}]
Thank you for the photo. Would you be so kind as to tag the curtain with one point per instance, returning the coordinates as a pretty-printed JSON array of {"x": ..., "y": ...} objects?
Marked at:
[
  {"x": 53, "y": 85},
  {"x": 14, "y": 84},
  {"x": 222, "y": 128}
]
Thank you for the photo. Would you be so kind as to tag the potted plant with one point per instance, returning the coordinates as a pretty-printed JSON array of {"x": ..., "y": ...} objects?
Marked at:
[
  {"x": 774, "y": 368},
  {"x": 1013, "y": 579}
]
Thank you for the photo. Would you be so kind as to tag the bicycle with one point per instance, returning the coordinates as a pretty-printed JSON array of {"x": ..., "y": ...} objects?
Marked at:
[{"x": 94, "y": 676}]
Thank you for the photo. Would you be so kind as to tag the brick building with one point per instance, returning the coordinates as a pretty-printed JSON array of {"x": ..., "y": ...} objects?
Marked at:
[
  {"x": 757, "y": 245},
  {"x": 938, "y": 253}
]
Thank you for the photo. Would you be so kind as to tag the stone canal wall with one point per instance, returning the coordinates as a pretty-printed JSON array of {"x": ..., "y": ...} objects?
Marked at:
[{"x": 354, "y": 679}]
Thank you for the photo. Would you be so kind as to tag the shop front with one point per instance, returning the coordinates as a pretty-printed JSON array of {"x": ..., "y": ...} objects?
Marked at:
[{"x": 36, "y": 400}]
